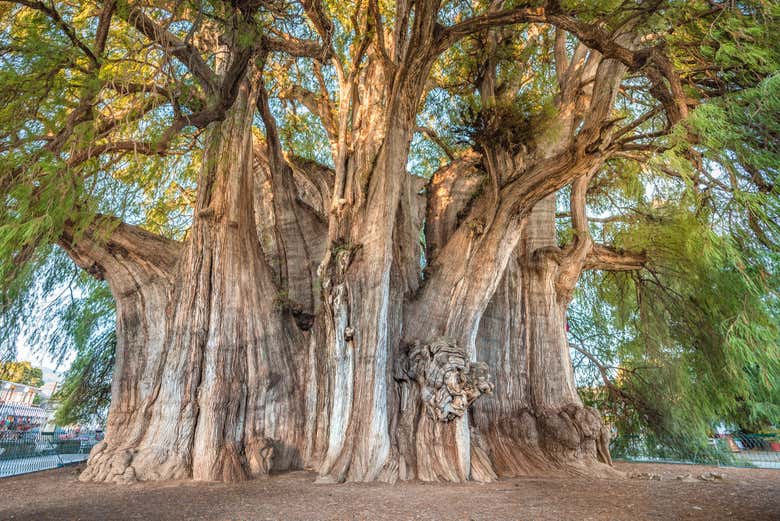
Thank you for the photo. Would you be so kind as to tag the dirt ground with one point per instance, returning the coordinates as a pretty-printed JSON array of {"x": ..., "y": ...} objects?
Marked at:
[{"x": 742, "y": 494}]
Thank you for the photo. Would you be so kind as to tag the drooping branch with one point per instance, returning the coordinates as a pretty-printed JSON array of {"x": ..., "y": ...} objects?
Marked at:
[
  {"x": 67, "y": 29},
  {"x": 603, "y": 370}
]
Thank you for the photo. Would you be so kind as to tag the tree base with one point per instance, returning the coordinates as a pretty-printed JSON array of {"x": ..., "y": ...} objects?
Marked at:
[
  {"x": 107, "y": 465},
  {"x": 570, "y": 440}
]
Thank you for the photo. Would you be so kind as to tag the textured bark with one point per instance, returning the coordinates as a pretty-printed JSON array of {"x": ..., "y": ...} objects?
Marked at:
[
  {"x": 140, "y": 270},
  {"x": 354, "y": 319},
  {"x": 369, "y": 266},
  {"x": 534, "y": 422},
  {"x": 207, "y": 384},
  {"x": 291, "y": 220},
  {"x": 295, "y": 326}
]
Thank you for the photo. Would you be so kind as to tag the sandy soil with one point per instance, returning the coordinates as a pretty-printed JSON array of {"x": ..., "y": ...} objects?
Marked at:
[{"x": 743, "y": 494}]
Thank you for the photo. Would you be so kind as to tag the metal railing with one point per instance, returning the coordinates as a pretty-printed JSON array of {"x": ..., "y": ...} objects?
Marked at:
[
  {"x": 730, "y": 450},
  {"x": 21, "y": 453}
]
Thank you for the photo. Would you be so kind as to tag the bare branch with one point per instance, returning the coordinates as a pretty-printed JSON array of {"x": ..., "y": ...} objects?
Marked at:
[
  {"x": 296, "y": 47},
  {"x": 607, "y": 258},
  {"x": 433, "y": 136},
  {"x": 316, "y": 105}
]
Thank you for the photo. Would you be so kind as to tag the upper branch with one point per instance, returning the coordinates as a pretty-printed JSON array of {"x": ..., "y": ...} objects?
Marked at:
[
  {"x": 449, "y": 36},
  {"x": 666, "y": 83},
  {"x": 184, "y": 51},
  {"x": 52, "y": 13},
  {"x": 297, "y": 47}
]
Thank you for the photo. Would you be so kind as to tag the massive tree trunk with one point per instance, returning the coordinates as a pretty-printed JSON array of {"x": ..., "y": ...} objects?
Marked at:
[
  {"x": 216, "y": 381},
  {"x": 140, "y": 269},
  {"x": 535, "y": 421},
  {"x": 295, "y": 326},
  {"x": 206, "y": 384},
  {"x": 354, "y": 319}
]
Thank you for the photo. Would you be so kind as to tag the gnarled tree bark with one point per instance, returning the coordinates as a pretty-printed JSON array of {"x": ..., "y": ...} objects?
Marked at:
[
  {"x": 301, "y": 325},
  {"x": 207, "y": 384}
]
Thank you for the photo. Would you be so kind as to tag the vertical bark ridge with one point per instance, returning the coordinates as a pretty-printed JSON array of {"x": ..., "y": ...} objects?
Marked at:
[
  {"x": 540, "y": 426},
  {"x": 140, "y": 269},
  {"x": 224, "y": 402},
  {"x": 246, "y": 398}
]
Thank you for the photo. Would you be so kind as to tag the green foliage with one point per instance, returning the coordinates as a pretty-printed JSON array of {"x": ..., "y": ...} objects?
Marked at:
[
  {"x": 86, "y": 391},
  {"x": 507, "y": 125},
  {"x": 739, "y": 134},
  {"x": 21, "y": 373},
  {"x": 690, "y": 342},
  {"x": 693, "y": 340},
  {"x": 57, "y": 102}
]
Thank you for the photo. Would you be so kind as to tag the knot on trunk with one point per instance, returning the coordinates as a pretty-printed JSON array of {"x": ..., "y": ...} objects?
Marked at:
[
  {"x": 448, "y": 382},
  {"x": 260, "y": 454}
]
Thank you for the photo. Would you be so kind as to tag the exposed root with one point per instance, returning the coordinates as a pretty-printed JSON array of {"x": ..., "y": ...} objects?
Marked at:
[
  {"x": 107, "y": 465},
  {"x": 571, "y": 440}
]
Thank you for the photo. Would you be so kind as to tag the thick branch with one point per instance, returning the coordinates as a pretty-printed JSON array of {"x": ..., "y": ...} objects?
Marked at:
[
  {"x": 607, "y": 258},
  {"x": 453, "y": 33},
  {"x": 126, "y": 256},
  {"x": 574, "y": 258},
  {"x": 296, "y": 47}
]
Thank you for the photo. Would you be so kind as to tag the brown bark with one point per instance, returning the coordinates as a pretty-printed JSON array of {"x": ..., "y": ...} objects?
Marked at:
[
  {"x": 210, "y": 369},
  {"x": 140, "y": 270},
  {"x": 369, "y": 265},
  {"x": 374, "y": 378},
  {"x": 534, "y": 422}
]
